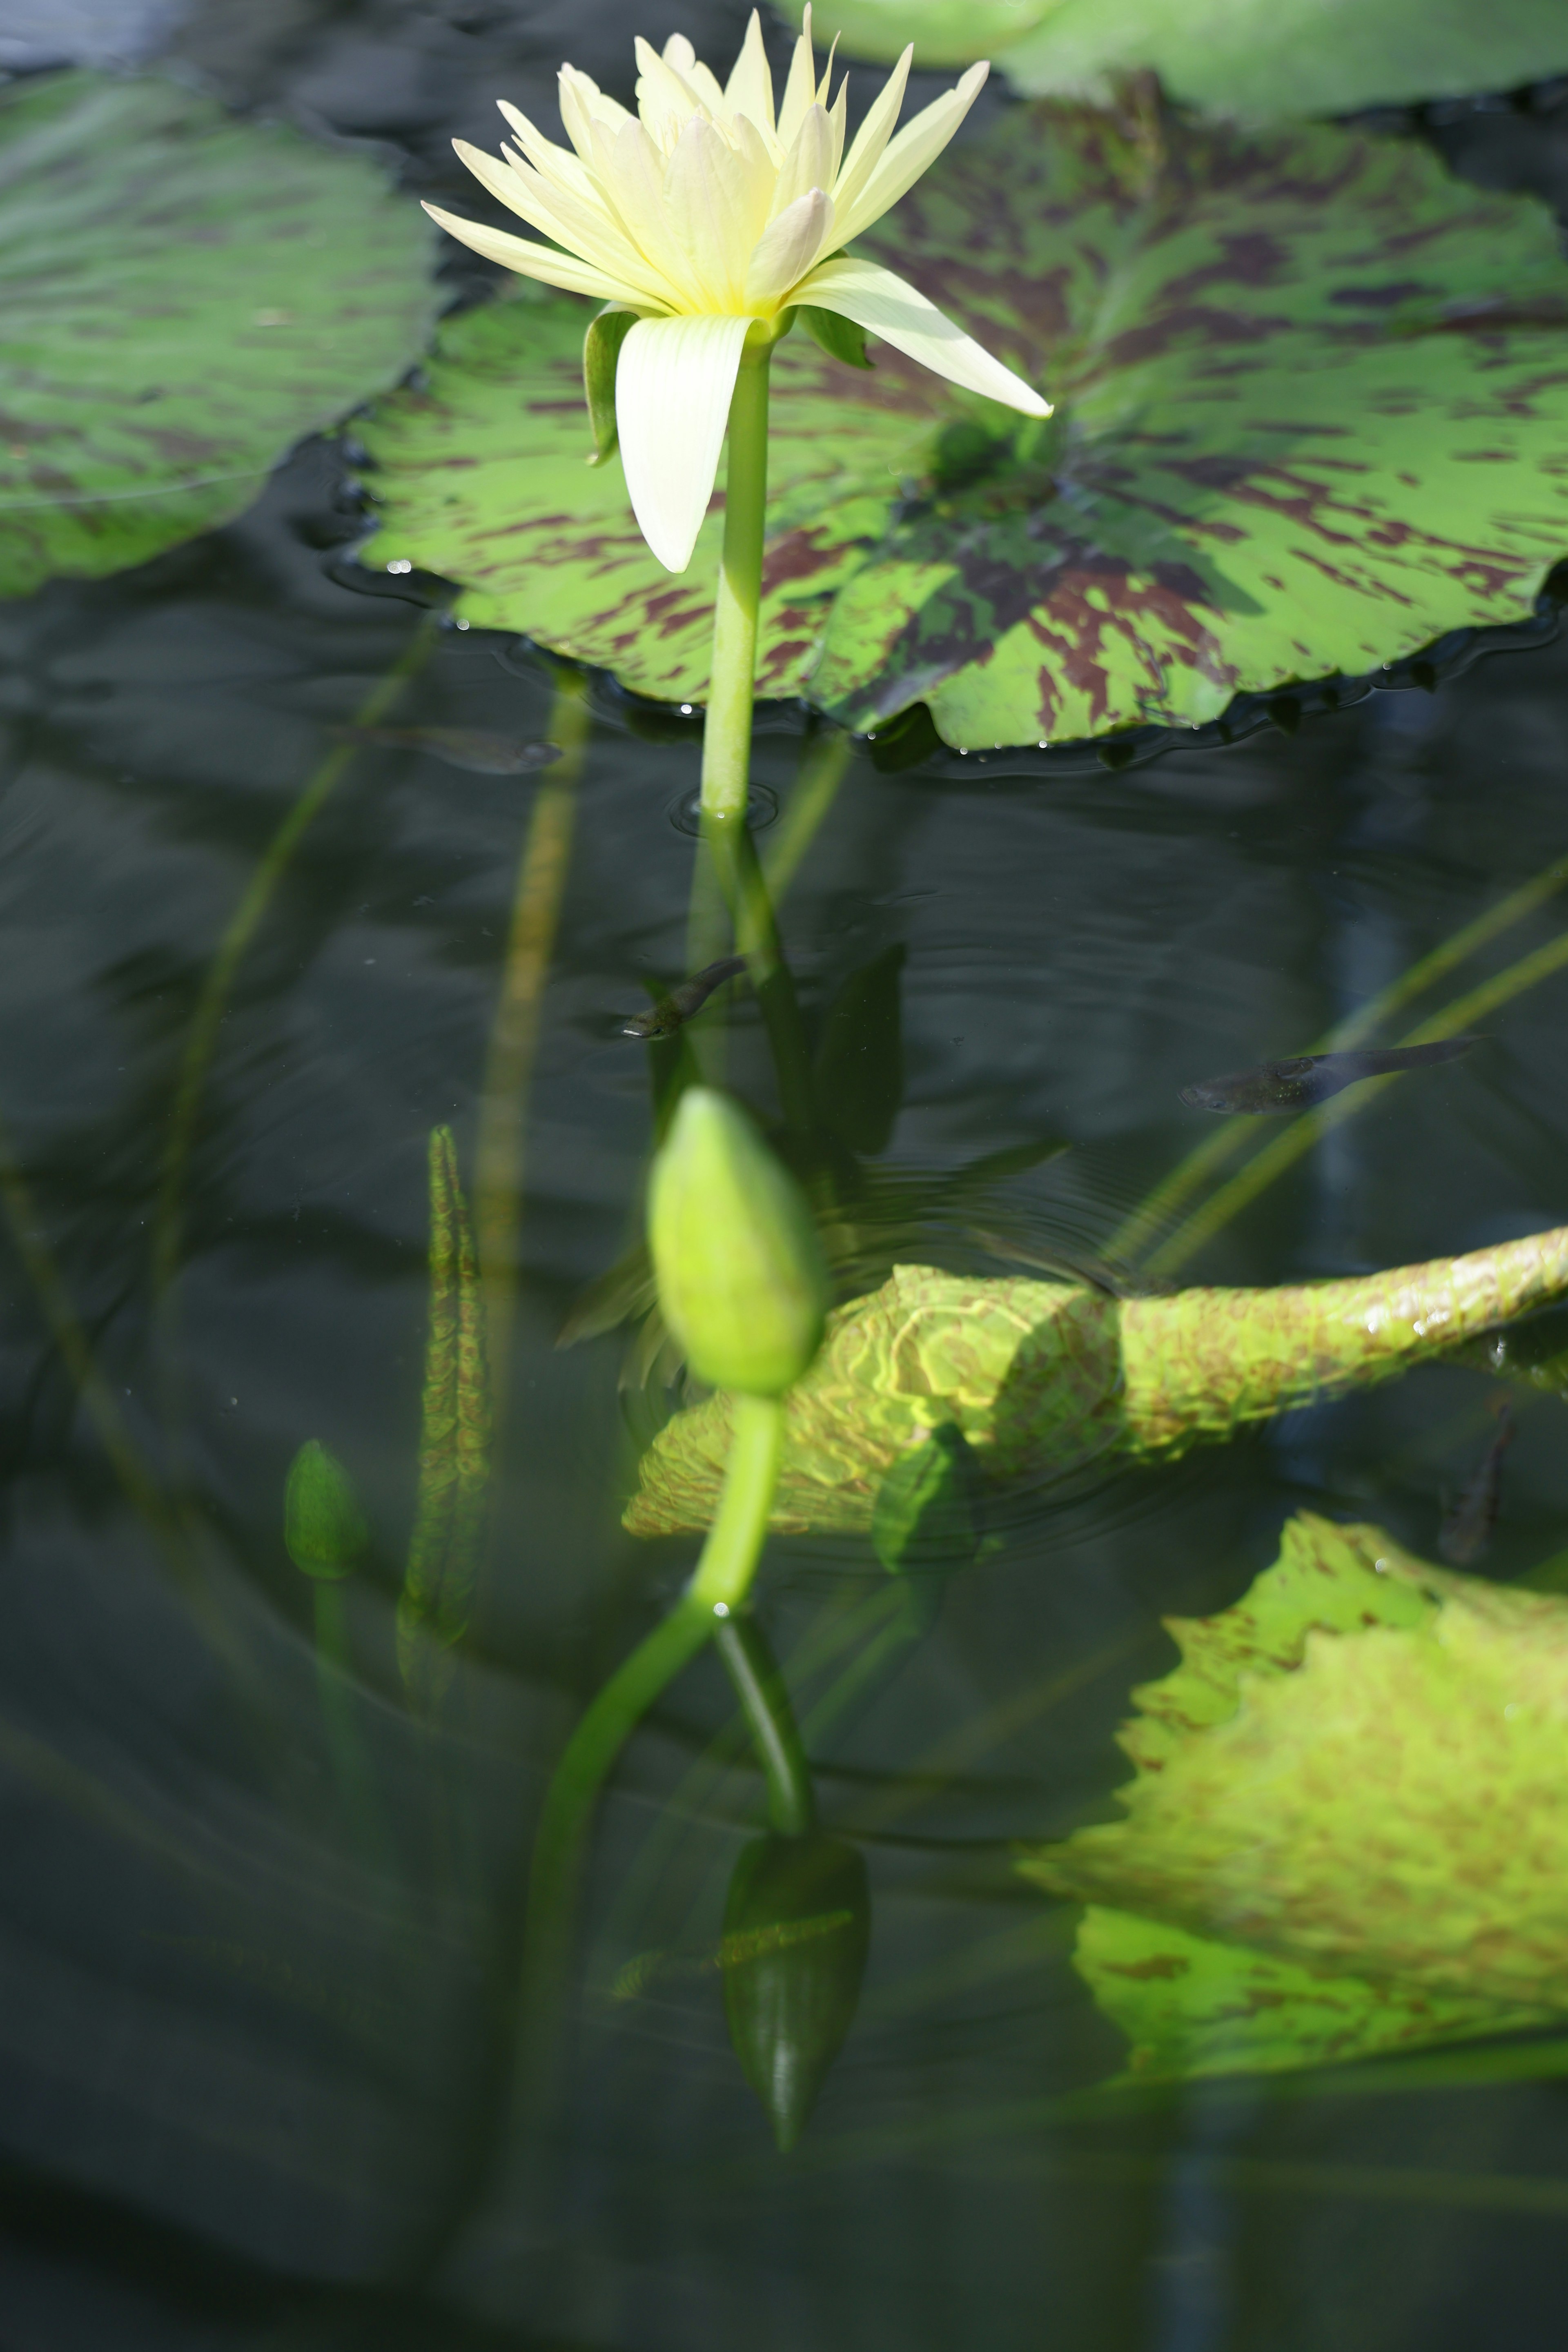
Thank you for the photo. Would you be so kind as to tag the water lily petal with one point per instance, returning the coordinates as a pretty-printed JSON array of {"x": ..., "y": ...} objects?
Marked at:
[
  {"x": 664, "y": 100},
  {"x": 584, "y": 229},
  {"x": 680, "y": 53},
  {"x": 584, "y": 103},
  {"x": 750, "y": 89},
  {"x": 871, "y": 139},
  {"x": 557, "y": 164},
  {"x": 531, "y": 260},
  {"x": 631, "y": 173},
  {"x": 800, "y": 89},
  {"x": 717, "y": 208},
  {"x": 809, "y": 162},
  {"x": 787, "y": 248},
  {"x": 915, "y": 149},
  {"x": 886, "y": 305},
  {"x": 672, "y": 402}
]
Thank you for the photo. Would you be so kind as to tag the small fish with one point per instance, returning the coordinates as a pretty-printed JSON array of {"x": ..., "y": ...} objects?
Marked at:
[
  {"x": 459, "y": 747},
  {"x": 1309, "y": 1078},
  {"x": 1468, "y": 1525},
  {"x": 668, "y": 1015}
]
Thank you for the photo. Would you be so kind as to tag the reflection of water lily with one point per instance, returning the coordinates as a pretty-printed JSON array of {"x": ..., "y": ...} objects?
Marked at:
[{"x": 711, "y": 219}]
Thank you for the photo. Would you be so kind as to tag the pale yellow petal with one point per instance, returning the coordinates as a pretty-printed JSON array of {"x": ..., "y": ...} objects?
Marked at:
[
  {"x": 553, "y": 162},
  {"x": 673, "y": 385},
  {"x": 698, "y": 78},
  {"x": 873, "y": 135},
  {"x": 584, "y": 229},
  {"x": 713, "y": 206},
  {"x": 531, "y": 260},
  {"x": 664, "y": 100},
  {"x": 914, "y": 150},
  {"x": 631, "y": 174},
  {"x": 800, "y": 89},
  {"x": 584, "y": 103},
  {"x": 886, "y": 305},
  {"x": 809, "y": 163},
  {"x": 787, "y": 249},
  {"x": 825, "y": 84},
  {"x": 750, "y": 89}
]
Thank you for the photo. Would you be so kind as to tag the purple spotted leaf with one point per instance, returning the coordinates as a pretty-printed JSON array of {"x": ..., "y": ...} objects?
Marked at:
[
  {"x": 1313, "y": 401},
  {"x": 185, "y": 297}
]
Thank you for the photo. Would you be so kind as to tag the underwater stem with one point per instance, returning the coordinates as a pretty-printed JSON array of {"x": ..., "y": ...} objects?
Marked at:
[
  {"x": 514, "y": 1034},
  {"x": 758, "y": 1685},
  {"x": 825, "y": 763},
  {"x": 727, "y": 729}
]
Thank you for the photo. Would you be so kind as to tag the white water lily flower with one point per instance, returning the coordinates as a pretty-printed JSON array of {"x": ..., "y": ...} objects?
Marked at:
[{"x": 710, "y": 218}]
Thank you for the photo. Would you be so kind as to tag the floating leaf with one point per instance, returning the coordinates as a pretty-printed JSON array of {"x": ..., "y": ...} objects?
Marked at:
[
  {"x": 1259, "y": 58},
  {"x": 1312, "y": 400},
  {"x": 185, "y": 297},
  {"x": 1359, "y": 1771},
  {"x": 930, "y": 1510},
  {"x": 1042, "y": 1377},
  {"x": 447, "y": 1547}
]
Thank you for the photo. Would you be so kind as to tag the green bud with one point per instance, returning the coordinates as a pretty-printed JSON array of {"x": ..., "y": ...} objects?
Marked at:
[
  {"x": 797, "y": 1926},
  {"x": 742, "y": 1278},
  {"x": 930, "y": 1508},
  {"x": 323, "y": 1525}
]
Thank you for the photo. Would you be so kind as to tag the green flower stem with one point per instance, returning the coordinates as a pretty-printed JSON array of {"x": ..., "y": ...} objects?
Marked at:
[
  {"x": 759, "y": 1685},
  {"x": 726, "y": 730},
  {"x": 1131, "y": 1238},
  {"x": 724, "y": 1571},
  {"x": 1299, "y": 1136},
  {"x": 740, "y": 877},
  {"x": 514, "y": 1032}
]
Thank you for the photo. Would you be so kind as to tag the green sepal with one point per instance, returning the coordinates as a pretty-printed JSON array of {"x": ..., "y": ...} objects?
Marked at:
[
  {"x": 839, "y": 337},
  {"x": 798, "y": 1926},
  {"x": 601, "y": 357},
  {"x": 930, "y": 1508},
  {"x": 323, "y": 1525}
]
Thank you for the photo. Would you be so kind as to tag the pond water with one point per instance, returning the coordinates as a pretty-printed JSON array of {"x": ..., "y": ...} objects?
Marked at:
[{"x": 257, "y": 1959}]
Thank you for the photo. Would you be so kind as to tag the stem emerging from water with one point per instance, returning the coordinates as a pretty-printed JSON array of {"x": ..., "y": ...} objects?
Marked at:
[{"x": 726, "y": 730}]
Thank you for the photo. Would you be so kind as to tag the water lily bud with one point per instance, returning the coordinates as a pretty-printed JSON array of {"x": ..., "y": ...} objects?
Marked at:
[
  {"x": 742, "y": 1278},
  {"x": 323, "y": 1525},
  {"x": 797, "y": 1926}
]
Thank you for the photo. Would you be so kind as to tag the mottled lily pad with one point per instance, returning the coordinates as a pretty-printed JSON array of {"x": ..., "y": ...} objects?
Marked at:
[
  {"x": 185, "y": 296},
  {"x": 1312, "y": 412},
  {"x": 1310, "y": 1866},
  {"x": 1262, "y": 58}
]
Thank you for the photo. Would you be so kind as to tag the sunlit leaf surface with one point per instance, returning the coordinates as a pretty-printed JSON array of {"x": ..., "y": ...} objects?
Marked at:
[
  {"x": 1265, "y": 58},
  {"x": 1312, "y": 410},
  {"x": 185, "y": 297},
  {"x": 1347, "y": 1831}
]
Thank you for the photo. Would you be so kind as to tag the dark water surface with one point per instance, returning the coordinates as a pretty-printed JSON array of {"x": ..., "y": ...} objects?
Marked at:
[{"x": 253, "y": 2060}]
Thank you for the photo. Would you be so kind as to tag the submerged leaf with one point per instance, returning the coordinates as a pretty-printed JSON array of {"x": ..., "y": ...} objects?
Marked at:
[
  {"x": 1311, "y": 397},
  {"x": 447, "y": 1547},
  {"x": 1357, "y": 1771},
  {"x": 185, "y": 297}
]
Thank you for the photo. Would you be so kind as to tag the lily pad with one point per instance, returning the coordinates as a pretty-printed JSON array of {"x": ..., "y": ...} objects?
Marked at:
[
  {"x": 185, "y": 296},
  {"x": 1262, "y": 58},
  {"x": 1312, "y": 404},
  {"x": 1320, "y": 1786}
]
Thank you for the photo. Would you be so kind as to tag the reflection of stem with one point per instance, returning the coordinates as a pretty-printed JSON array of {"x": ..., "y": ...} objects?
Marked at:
[
  {"x": 514, "y": 1036},
  {"x": 727, "y": 728},
  {"x": 1184, "y": 1180},
  {"x": 823, "y": 768},
  {"x": 757, "y": 939},
  {"x": 1299, "y": 1138},
  {"x": 759, "y": 1685},
  {"x": 724, "y": 1572},
  {"x": 168, "y": 1222},
  {"x": 136, "y": 1481},
  {"x": 334, "y": 1688}
]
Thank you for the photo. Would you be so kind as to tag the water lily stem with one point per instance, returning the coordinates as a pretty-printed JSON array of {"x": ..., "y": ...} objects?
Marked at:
[
  {"x": 726, "y": 730},
  {"x": 724, "y": 1572},
  {"x": 753, "y": 1672}
]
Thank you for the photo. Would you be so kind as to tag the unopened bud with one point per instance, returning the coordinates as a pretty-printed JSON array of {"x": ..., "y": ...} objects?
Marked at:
[
  {"x": 797, "y": 1925},
  {"x": 741, "y": 1277},
  {"x": 323, "y": 1525}
]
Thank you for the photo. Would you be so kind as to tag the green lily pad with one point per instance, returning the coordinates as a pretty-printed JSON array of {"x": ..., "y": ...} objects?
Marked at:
[
  {"x": 1263, "y": 58},
  {"x": 1312, "y": 404},
  {"x": 1311, "y": 1863},
  {"x": 185, "y": 296}
]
